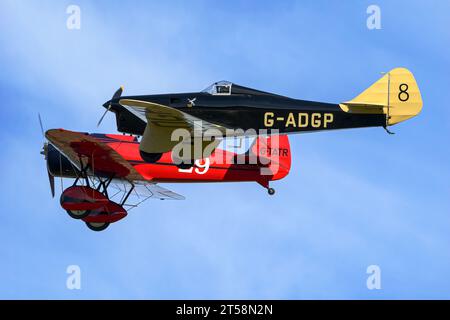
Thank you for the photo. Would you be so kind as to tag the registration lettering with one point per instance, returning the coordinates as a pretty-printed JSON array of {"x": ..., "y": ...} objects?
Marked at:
[{"x": 299, "y": 120}]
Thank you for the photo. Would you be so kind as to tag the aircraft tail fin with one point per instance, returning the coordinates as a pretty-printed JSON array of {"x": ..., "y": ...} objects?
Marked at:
[
  {"x": 274, "y": 151},
  {"x": 396, "y": 95}
]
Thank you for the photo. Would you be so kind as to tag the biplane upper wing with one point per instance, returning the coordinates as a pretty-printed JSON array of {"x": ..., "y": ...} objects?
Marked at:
[
  {"x": 82, "y": 150},
  {"x": 162, "y": 121}
]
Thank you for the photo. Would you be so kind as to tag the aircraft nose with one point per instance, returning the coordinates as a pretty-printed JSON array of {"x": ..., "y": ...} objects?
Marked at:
[{"x": 106, "y": 104}]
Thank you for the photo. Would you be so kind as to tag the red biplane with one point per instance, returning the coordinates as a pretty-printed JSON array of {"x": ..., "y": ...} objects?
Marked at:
[{"x": 108, "y": 170}]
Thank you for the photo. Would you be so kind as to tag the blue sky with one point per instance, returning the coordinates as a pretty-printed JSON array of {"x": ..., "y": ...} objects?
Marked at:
[{"x": 353, "y": 198}]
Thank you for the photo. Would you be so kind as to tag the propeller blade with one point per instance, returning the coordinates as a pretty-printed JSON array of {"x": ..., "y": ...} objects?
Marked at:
[
  {"x": 104, "y": 114},
  {"x": 40, "y": 124},
  {"x": 51, "y": 179},
  {"x": 116, "y": 95},
  {"x": 60, "y": 172}
]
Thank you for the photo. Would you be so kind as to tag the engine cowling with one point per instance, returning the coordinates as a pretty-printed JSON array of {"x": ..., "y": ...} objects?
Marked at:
[{"x": 58, "y": 165}]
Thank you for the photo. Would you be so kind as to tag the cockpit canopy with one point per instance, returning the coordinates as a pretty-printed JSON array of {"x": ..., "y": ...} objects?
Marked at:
[
  {"x": 227, "y": 88},
  {"x": 219, "y": 88}
]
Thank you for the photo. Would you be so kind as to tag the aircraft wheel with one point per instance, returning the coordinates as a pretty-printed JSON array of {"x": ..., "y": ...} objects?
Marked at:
[
  {"x": 150, "y": 157},
  {"x": 97, "y": 226},
  {"x": 78, "y": 214},
  {"x": 271, "y": 191}
]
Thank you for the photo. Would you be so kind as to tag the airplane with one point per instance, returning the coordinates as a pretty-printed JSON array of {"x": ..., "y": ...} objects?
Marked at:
[{"x": 225, "y": 133}]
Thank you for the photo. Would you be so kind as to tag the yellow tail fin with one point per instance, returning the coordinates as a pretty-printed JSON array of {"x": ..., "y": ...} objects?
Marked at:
[{"x": 396, "y": 95}]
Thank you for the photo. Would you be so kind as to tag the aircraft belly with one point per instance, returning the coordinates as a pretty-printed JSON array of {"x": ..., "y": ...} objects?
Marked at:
[{"x": 168, "y": 172}]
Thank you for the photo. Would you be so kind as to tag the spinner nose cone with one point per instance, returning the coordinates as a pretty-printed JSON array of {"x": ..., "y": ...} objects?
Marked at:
[{"x": 108, "y": 103}]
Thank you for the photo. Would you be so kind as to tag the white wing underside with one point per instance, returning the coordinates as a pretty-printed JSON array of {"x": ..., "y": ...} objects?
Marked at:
[
  {"x": 142, "y": 191},
  {"x": 165, "y": 116}
]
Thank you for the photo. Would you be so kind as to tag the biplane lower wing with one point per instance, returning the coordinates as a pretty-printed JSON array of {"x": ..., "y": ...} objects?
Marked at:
[{"x": 144, "y": 191}]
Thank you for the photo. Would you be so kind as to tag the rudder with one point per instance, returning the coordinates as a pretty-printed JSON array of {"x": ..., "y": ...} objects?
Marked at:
[{"x": 396, "y": 95}]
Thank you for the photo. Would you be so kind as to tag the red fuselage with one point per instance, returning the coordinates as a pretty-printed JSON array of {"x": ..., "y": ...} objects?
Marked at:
[{"x": 272, "y": 162}]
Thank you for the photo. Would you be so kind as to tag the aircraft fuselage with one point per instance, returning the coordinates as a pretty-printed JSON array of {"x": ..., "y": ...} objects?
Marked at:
[{"x": 247, "y": 111}]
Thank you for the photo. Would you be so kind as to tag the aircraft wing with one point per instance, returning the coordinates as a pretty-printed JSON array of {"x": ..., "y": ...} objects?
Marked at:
[
  {"x": 144, "y": 191},
  {"x": 162, "y": 121},
  {"x": 82, "y": 149},
  {"x": 163, "y": 116}
]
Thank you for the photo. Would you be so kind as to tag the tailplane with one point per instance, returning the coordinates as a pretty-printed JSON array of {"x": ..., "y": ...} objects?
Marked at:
[{"x": 396, "y": 95}]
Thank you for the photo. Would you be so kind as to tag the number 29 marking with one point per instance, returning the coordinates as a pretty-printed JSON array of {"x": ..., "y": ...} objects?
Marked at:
[{"x": 201, "y": 168}]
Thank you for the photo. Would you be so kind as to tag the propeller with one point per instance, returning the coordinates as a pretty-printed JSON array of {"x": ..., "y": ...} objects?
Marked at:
[
  {"x": 44, "y": 152},
  {"x": 42, "y": 127},
  {"x": 116, "y": 95}
]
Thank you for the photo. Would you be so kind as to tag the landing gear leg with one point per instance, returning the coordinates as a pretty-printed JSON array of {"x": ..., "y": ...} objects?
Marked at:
[
  {"x": 104, "y": 184},
  {"x": 81, "y": 174},
  {"x": 265, "y": 184}
]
